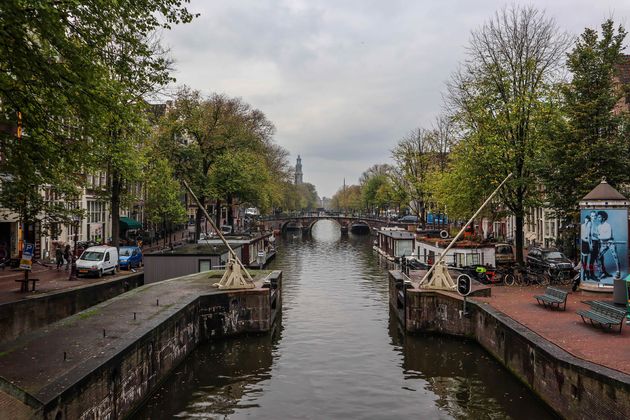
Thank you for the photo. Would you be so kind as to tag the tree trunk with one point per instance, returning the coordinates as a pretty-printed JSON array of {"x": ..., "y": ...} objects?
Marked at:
[
  {"x": 115, "y": 203},
  {"x": 230, "y": 219},
  {"x": 218, "y": 215},
  {"x": 518, "y": 238}
]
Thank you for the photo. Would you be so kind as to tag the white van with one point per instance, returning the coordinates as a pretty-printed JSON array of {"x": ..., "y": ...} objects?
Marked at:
[{"x": 98, "y": 260}]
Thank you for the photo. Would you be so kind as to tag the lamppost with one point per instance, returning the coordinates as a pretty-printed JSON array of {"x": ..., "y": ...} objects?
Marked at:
[{"x": 73, "y": 266}]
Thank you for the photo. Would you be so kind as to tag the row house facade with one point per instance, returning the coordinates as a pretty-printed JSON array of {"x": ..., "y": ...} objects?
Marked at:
[{"x": 95, "y": 225}]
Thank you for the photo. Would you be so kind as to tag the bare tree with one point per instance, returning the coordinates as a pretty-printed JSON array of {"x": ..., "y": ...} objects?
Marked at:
[{"x": 502, "y": 95}]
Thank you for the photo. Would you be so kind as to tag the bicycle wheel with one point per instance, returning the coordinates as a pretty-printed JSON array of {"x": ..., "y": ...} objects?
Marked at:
[
  {"x": 509, "y": 279},
  {"x": 566, "y": 279},
  {"x": 544, "y": 279}
]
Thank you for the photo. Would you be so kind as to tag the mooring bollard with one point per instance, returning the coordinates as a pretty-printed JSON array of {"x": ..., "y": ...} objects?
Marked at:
[
  {"x": 103, "y": 332},
  {"x": 157, "y": 302},
  {"x": 134, "y": 316},
  {"x": 64, "y": 356}
]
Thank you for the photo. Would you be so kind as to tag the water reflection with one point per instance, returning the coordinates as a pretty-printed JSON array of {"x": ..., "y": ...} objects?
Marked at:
[
  {"x": 338, "y": 353},
  {"x": 216, "y": 380},
  {"x": 467, "y": 381}
]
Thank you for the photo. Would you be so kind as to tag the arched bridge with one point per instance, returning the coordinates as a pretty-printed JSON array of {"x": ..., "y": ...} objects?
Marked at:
[{"x": 305, "y": 222}]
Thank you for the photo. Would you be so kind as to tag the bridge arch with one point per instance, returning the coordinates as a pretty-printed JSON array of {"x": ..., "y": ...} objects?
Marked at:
[{"x": 306, "y": 221}]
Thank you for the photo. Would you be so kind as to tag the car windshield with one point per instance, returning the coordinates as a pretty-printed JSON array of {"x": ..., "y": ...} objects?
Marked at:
[
  {"x": 553, "y": 255},
  {"x": 504, "y": 250},
  {"x": 125, "y": 252},
  {"x": 92, "y": 256}
]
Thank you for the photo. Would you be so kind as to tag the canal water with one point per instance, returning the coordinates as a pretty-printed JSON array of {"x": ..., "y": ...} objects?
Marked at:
[{"x": 338, "y": 354}]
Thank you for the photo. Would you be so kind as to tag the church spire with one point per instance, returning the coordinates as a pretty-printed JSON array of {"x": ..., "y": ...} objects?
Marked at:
[{"x": 298, "y": 171}]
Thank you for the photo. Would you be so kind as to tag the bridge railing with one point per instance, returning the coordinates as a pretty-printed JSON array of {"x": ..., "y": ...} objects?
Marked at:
[{"x": 330, "y": 215}]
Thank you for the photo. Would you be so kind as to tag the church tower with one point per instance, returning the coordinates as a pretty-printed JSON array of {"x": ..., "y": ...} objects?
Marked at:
[{"x": 298, "y": 171}]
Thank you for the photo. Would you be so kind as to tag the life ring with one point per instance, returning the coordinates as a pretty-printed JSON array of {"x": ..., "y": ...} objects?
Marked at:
[{"x": 443, "y": 234}]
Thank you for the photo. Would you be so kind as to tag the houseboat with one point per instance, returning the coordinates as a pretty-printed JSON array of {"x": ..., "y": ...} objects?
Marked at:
[
  {"x": 360, "y": 228},
  {"x": 185, "y": 260},
  {"x": 256, "y": 249},
  {"x": 394, "y": 243},
  {"x": 463, "y": 253}
]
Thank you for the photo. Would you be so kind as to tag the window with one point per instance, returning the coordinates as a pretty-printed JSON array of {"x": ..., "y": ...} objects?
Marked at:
[
  {"x": 96, "y": 211},
  {"x": 463, "y": 259},
  {"x": 205, "y": 265}
]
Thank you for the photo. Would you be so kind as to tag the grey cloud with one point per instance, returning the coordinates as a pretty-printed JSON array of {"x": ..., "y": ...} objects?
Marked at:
[{"x": 343, "y": 80}]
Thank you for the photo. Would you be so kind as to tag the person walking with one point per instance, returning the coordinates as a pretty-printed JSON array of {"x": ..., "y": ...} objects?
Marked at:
[
  {"x": 59, "y": 257},
  {"x": 67, "y": 256}
]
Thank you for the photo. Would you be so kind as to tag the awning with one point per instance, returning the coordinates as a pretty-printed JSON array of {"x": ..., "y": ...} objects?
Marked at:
[{"x": 127, "y": 223}]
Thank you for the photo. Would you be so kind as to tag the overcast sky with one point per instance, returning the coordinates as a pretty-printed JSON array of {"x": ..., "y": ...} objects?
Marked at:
[{"x": 343, "y": 81}]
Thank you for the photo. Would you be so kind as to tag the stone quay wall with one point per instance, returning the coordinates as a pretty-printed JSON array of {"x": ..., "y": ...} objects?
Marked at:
[
  {"x": 572, "y": 387},
  {"x": 26, "y": 315},
  {"x": 131, "y": 372}
]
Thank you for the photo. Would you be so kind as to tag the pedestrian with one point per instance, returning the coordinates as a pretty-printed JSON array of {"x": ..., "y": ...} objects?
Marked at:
[
  {"x": 67, "y": 256},
  {"x": 59, "y": 257}
]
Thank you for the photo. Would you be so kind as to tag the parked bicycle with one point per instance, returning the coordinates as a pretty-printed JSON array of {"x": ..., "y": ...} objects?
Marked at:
[
  {"x": 525, "y": 276},
  {"x": 505, "y": 275}
]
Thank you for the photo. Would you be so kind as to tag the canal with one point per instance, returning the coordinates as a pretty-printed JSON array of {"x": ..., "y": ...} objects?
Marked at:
[{"x": 338, "y": 353}]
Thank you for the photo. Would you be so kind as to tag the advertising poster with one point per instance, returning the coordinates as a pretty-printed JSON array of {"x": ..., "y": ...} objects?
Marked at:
[{"x": 603, "y": 245}]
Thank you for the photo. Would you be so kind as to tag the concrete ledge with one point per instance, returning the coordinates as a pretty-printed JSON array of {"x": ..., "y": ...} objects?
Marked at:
[
  {"x": 574, "y": 388},
  {"x": 18, "y": 318}
]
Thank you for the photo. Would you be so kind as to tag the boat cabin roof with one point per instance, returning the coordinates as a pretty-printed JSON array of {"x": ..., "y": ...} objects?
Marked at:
[{"x": 396, "y": 234}]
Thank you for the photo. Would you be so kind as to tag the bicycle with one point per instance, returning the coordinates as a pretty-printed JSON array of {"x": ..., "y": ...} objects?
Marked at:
[
  {"x": 505, "y": 275},
  {"x": 563, "y": 277},
  {"x": 525, "y": 277}
]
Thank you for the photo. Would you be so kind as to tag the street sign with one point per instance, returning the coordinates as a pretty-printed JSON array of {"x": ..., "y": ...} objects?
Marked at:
[
  {"x": 463, "y": 285},
  {"x": 27, "y": 256}
]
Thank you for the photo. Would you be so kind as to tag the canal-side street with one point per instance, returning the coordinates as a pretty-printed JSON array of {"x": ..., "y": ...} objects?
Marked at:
[{"x": 339, "y": 353}]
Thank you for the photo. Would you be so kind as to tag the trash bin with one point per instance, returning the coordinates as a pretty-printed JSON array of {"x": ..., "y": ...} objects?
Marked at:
[{"x": 620, "y": 291}]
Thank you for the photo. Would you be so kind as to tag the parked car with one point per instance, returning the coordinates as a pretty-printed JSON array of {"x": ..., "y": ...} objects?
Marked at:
[
  {"x": 504, "y": 254},
  {"x": 550, "y": 261},
  {"x": 98, "y": 260},
  {"x": 408, "y": 219},
  {"x": 130, "y": 257}
]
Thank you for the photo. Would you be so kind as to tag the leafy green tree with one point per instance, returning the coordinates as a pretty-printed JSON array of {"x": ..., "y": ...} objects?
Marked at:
[
  {"x": 590, "y": 141},
  {"x": 413, "y": 156},
  {"x": 59, "y": 79},
  {"x": 242, "y": 174},
  {"x": 347, "y": 198},
  {"x": 163, "y": 204},
  {"x": 377, "y": 192},
  {"x": 196, "y": 131},
  {"x": 501, "y": 98}
]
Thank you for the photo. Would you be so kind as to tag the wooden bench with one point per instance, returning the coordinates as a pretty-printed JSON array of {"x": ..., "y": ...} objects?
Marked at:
[
  {"x": 24, "y": 285},
  {"x": 553, "y": 297},
  {"x": 603, "y": 314}
]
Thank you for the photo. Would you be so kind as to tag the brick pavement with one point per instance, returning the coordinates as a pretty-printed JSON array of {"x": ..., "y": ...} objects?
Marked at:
[
  {"x": 50, "y": 279},
  {"x": 564, "y": 328}
]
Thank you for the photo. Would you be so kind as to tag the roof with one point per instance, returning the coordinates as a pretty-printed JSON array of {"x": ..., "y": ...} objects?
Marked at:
[
  {"x": 195, "y": 249},
  {"x": 397, "y": 234},
  {"x": 100, "y": 248},
  {"x": 604, "y": 192}
]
